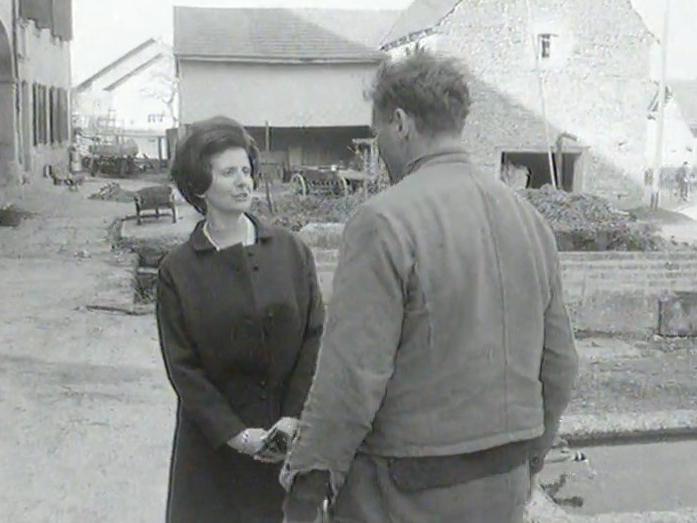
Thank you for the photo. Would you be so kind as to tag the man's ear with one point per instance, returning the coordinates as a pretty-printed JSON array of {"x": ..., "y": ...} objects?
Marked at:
[{"x": 403, "y": 123}]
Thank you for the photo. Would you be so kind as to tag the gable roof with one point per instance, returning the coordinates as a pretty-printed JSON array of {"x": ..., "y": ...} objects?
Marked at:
[
  {"x": 420, "y": 16},
  {"x": 280, "y": 35},
  {"x": 85, "y": 84},
  {"x": 685, "y": 93}
]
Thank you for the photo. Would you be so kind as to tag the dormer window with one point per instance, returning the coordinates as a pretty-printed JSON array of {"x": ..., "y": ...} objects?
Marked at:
[{"x": 544, "y": 43}]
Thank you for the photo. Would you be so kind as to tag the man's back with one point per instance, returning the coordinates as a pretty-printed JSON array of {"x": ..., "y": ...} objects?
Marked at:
[{"x": 478, "y": 268}]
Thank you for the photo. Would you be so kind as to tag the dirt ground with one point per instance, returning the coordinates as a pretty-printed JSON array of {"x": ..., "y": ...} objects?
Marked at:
[
  {"x": 87, "y": 411},
  {"x": 637, "y": 376}
]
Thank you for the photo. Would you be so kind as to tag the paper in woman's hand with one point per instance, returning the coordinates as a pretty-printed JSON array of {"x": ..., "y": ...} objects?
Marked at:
[{"x": 276, "y": 444}]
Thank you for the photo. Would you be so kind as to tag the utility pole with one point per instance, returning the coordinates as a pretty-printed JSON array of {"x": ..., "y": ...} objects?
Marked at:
[
  {"x": 660, "y": 121},
  {"x": 543, "y": 103}
]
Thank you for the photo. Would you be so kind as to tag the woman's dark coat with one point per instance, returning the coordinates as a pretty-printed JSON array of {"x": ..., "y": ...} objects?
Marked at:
[{"x": 239, "y": 331}]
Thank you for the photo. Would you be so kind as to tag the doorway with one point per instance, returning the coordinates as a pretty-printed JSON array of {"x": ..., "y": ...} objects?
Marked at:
[{"x": 537, "y": 166}]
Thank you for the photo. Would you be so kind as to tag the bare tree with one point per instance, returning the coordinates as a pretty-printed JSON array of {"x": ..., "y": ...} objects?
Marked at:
[{"x": 164, "y": 86}]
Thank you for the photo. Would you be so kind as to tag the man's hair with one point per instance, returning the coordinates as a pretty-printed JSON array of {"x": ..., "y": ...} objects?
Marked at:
[
  {"x": 191, "y": 169},
  {"x": 428, "y": 87}
]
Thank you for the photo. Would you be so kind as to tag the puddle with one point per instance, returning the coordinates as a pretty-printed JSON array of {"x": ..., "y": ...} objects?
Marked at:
[{"x": 642, "y": 477}]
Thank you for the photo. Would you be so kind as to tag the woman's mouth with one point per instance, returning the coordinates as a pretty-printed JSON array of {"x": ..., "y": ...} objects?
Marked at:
[{"x": 241, "y": 197}]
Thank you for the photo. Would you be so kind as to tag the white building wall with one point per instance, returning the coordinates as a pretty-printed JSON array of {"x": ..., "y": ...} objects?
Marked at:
[{"x": 285, "y": 95}]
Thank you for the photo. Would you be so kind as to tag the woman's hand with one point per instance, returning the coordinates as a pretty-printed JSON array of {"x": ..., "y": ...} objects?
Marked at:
[
  {"x": 288, "y": 426},
  {"x": 249, "y": 441}
]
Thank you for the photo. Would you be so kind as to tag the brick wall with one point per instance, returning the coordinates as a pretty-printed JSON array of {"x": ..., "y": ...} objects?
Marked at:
[
  {"x": 620, "y": 292},
  {"x": 612, "y": 292}
]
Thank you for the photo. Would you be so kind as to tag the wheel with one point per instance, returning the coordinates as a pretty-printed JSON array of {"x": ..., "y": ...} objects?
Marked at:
[
  {"x": 299, "y": 184},
  {"x": 341, "y": 186}
]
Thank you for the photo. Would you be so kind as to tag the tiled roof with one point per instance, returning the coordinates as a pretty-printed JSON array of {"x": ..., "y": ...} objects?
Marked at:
[
  {"x": 280, "y": 34},
  {"x": 419, "y": 16}
]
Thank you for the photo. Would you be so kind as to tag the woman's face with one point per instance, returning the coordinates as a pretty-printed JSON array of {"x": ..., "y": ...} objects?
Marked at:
[{"x": 231, "y": 187}]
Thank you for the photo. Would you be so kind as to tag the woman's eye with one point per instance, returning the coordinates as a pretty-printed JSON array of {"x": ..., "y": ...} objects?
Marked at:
[{"x": 232, "y": 172}]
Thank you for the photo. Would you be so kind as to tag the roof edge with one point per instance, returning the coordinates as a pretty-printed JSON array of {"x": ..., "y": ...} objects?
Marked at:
[
  {"x": 420, "y": 33},
  {"x": 281, "y": 59},
  {"x": 89, "y": 81}
]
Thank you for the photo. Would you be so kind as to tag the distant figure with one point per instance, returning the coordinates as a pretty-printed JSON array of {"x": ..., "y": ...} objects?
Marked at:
[
  {"x": 682, "y": 177},
  {"x": 516, "y": 176},
  {"x": 240, "y": 316},
  {"x": 448, "y": 355}
]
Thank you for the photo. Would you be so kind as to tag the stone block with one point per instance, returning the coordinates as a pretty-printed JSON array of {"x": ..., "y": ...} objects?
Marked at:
[{"x": 678, "y": 315}]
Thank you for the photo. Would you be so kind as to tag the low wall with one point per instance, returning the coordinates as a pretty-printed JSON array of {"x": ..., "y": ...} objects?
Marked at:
[
  {"x": 618, "y": 292},
  {"x": 609, "y": 292}
]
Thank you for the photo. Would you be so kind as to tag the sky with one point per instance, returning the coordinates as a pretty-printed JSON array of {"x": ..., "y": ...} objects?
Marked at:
[{"x": 106, "y": 29}]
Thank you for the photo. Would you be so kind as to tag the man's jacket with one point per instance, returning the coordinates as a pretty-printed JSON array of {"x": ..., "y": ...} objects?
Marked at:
[{"x": 447, "y": 333}]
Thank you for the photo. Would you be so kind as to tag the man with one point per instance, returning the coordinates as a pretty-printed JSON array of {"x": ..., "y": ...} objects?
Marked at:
[
  {"x": 448, "y": 356},
  {"x": 682, "y": 177}
]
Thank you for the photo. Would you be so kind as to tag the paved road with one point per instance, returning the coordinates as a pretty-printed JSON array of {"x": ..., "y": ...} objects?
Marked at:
[{"x": 631, "y": 478}]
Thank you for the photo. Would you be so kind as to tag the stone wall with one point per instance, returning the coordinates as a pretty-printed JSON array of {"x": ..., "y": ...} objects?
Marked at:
[
  {"x": 597, "y": 85},
  {"x": 610, "y": 292},
  {"x": 621, "y": 292}
]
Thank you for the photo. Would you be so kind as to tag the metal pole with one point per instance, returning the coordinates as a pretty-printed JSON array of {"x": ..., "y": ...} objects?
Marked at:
[
  {"x": 660, "y": 121},
  {"x": 543, "y": 103}
]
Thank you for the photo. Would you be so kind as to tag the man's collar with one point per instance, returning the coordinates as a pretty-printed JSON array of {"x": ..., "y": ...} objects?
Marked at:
[
  {"x": 200, "y": 242},
  {"x": 444, "y": 155}
]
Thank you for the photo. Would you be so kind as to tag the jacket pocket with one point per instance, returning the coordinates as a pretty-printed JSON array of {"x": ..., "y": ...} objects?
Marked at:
[{"x": 422, "y": 473}]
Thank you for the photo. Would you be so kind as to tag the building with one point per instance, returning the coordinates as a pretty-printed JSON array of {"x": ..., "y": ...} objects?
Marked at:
[
  {"x": 685, "y": 96},
  {"x": 296, "y": 78},
  {"x": 678, "y": 138},
  {"x": 34, "y": 87},
  {"x": 135, "y": 96},
  {"x": 593, "y": 61}
]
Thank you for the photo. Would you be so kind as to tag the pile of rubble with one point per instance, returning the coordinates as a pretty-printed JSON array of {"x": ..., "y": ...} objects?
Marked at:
[
  {"x": 589, "y": 223},
  {"x": 294, "y": 211},
  {"x": 113, "y": 192}
]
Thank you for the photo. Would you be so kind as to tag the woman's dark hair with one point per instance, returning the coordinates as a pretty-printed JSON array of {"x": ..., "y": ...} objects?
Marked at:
[
  {"x": 191, "y": 169},
  {"x": 430, "y": 88}
]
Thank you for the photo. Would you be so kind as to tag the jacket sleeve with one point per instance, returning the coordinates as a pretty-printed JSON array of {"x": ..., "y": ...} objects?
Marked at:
[
  {"x": 559, "y": 367},
  {"x": 357, "y": 354},
  {"x": 198, "y": 396},
  {"x": 304, "y": 370}
]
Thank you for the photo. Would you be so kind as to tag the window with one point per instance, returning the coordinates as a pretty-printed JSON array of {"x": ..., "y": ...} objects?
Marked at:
[
  {"x": 52, "y": 115},
  {"x": 35, "y": 113},
  {"x": 43, "y": 113},
  {"x": 63, "y": 112},
  {"x": 545, "y": 45},
  {"x": 40, "y": 116},
  {"x": 156, "y": 118}
]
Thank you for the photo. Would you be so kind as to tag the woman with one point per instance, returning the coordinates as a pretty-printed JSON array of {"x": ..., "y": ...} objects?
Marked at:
[{"x": 240, "y": 316}]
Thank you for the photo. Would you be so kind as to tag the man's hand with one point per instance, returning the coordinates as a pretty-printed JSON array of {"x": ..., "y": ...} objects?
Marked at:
[
  {"x": 288, "y": 426},
  {"x": 277, "y": 441},
  {"x": 249, "y": 441}
]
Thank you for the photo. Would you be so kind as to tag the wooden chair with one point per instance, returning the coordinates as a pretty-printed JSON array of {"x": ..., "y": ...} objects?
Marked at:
[{"x": 155, "y": 198}]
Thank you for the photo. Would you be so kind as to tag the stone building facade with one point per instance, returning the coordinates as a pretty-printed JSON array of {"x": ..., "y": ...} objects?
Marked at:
[
  {"x": 593, "y": 61},
  {"x": 34, "y": 87}
]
